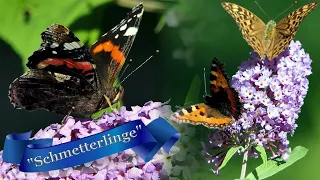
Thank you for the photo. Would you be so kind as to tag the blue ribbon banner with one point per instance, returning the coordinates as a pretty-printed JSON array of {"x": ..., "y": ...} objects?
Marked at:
[{"x": 40, "y": 156}]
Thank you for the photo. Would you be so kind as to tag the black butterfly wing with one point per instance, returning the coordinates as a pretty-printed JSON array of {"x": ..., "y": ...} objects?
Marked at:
[
  {"x": 62, "y": 52},
  {"x": 110, "y": 51},
  {"x": 39, "y": 89}
]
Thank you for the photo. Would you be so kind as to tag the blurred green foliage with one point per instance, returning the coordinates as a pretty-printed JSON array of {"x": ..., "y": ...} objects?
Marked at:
[
  {"x": 189, "y": 35},
  {"x": 22, "y": 21}
]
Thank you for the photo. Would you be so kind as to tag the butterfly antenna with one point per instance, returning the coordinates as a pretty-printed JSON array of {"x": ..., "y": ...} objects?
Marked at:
[
  {"x": 157, "y": 51},
  {"x": 294, "y": 2},
  {"x": 205, "y": 81},
  {"x": 262, "y": 9},
  {"x": 125, "y": 68}
]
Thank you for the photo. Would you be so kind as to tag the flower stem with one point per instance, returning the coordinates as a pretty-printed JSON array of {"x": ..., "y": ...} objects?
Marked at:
[{"x": 244, "y": 165}]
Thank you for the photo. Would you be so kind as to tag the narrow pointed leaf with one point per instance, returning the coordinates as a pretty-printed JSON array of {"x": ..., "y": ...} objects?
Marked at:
[
  {"x": 229, "y": 155},
  {"x": 162, "y": 22},
  {"x": 263, "y": 154},
  {"x": 194, "y": 90},
  {"x": 277, "y": 165}
]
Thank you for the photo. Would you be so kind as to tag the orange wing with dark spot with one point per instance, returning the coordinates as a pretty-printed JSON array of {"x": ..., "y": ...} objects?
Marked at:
[
  {"x": 222, "y": 96},
  {"x": 202, "y": 114},
  {"x": 111, "y": 50},
  {"x": 220, "y": 109}
]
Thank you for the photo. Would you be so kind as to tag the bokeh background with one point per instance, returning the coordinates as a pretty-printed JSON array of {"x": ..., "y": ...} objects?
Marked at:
[{"x": 188, "y": 33}]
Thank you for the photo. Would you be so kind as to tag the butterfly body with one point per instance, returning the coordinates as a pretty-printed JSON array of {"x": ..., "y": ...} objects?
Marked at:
[
  {"x": 270, "y": 30},
  {"x": 65, "y": 76},
  {"x": 270, "y": 39},
  {"x": 219, "y": 110}
]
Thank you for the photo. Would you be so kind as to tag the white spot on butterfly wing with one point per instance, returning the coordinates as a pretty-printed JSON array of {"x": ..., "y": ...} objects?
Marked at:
[
  {"x": 76, "y": 44},
  {"x": 68, "y": 46},
  {"x": 116, "y": 37},
  {"x": 54, "y": 52},
  {"x": 122, "y": 28},
  {"x": 61, "y": 77},
  {"x": 129, "y": 19},
  {"x": 54, "y": 45},
  {"x": 131, "y": 31}
]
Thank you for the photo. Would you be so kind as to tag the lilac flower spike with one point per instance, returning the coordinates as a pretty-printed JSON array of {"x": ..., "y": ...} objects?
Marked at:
[
  {"x": 122, "y": 165},
  {"x": 272, "y": 93}
]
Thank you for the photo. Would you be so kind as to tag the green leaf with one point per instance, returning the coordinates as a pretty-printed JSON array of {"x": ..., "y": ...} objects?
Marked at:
[
  {"x": 162, "y": 22},
  {"x": 229, "y": 155},
  {"x": 277, "y": 165},
  {"x": 263, "y": 154},
  {"x": 89, "y": 36},
  {"x": 106, "y": 110},
  {"x": 32, "y": 17},
  {"x": 194, "y": 90}
]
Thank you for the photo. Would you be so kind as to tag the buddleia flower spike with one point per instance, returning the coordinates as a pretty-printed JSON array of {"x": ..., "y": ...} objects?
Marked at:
[{"x": 272, "y": 93}]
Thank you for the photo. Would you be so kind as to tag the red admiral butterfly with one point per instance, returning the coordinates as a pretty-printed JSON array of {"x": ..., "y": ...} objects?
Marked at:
[
  {"x": 64, "y": 75},
  {"x": 220, "y": 109}
]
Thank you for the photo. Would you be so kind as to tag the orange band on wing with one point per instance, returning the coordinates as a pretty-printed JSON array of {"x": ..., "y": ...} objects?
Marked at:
[
  {"x": 81, "y": 65},
  {"x": 108, "y": 46},
  {"x": 118, "y": 55},
  {"x": 97, "y": 49}
]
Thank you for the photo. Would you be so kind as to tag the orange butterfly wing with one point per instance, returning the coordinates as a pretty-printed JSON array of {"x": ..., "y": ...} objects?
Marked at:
[
  {"x": 223, "y": 97},
  {"x": 220, "y": 109},
  {"x": 202, "y": 114}
]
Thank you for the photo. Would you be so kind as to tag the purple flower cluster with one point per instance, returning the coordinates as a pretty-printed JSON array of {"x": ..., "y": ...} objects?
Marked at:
[
  {"x": 272, "y": 93},
  {"x": 122, "y": 165}
]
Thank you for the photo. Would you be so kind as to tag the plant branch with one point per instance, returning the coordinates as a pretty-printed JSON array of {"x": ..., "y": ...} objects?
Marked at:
[{"x": 244, "y": 164}]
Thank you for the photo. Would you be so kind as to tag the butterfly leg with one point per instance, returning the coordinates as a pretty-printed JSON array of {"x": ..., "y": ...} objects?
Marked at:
[
  {"x": 109, "y": 102},
  {"x": 65, "y": 118}
]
